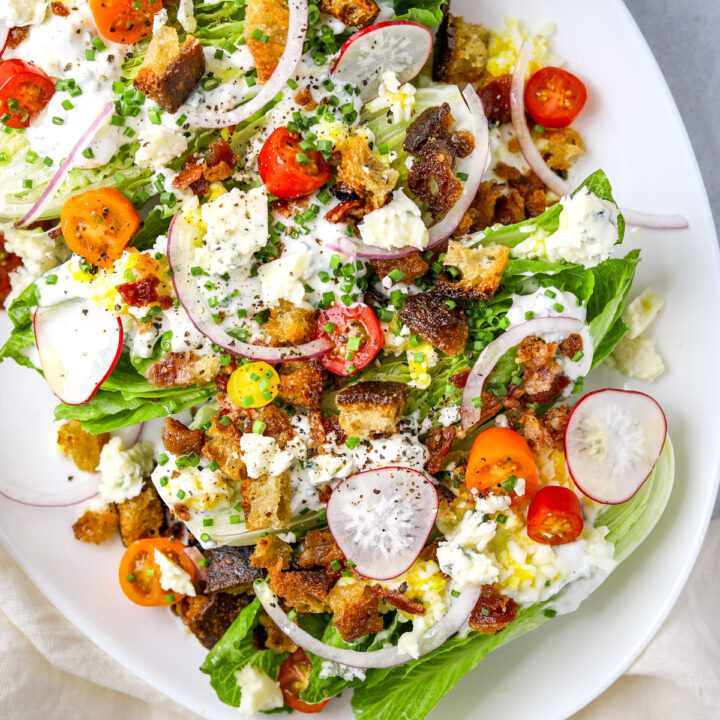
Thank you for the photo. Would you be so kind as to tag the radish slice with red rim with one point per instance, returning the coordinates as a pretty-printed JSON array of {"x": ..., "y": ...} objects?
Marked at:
[
  {"x": 459, "y": 609},
  {"x": 79, "y": 344},
  {"x": 399, "y": 46},
  {"x": 180, "y": 255},
  {"x": 4, "y": 36},
  {"x": 381, "y": 519},
  {"x": 613, "y": 440}
]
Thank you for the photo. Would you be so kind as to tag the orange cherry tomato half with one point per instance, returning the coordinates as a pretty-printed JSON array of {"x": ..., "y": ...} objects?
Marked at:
[
  {"x": 25, "y": 90},
  {"x": 497, "y": 456},
  {"x": 554, "y": 516},
  {"x": 98, "y": 225},
  {"x": 287, "y": 170},
  {"x": 554, "y": 97},
  {"x": 125, "y": 21},
  {"x": 140, "y": 576},
  {"x": 293, "y": 678},
  {"x": 356, "y": 333}
]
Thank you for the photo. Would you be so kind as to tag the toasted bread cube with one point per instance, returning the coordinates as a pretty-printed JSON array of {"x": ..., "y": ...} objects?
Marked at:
[
  {"x": 289, "y": 324},
  {"x": 170, "y": 71},
  {"x": 353, "y": 13},
  {"x": 443, "y": 326},
  {"x": 83, "y": 447},
  {"x": 209, "y": 616},
  {"x": 460, "y": 51},
  {"x": 97, "y": 526},
  {"x": 371, "y": 408},
  {"x": 141, "y": 516},
  {"x": 302, "y": 383},
  {"x": 266, "y": 501},
  {"x": 480, "y": 269},
  {"x": 229, "y": 569},
  {"x": 361, "y": 171},
  {"x": 356, "y": 610}
]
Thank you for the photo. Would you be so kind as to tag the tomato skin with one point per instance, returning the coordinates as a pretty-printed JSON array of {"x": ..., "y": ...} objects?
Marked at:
[
  {"x": 27, "y": 85},
  {"x": 554, "y": 516},
  {"x": 98, "y": 225},
  {"x": 355, "y": 321},
  {"x": 138, "y": 558},
  {"x": 293, "y": 678},
  {"x": 125, "y": 21},
  {"x": 282, "y": 174},
  {"x": 496, "y": 454},
  {"x": 554, "y": 97}
]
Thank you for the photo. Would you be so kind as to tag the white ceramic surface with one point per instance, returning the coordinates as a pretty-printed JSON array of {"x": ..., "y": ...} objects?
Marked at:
[{"x": 633, "y": 130}]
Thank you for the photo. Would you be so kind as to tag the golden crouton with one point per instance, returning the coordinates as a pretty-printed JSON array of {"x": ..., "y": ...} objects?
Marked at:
[
  {"x": 96, "y": 526},
  {"x": 141, "y": 516},
  {"x": 444, "y": 325},
  {"x": 361, "y": 171},
  {"x": 560, "y": 148},
  {"x": 276, "y": 639},
  {"x": 209, "y": 616},
  {"x": 223, "y": 446},
  {"x": 170, "y": 71},
  {"x": 271, "y": 553},
  {"x": 460, "y": 51},
  {"x": 480, "y": 269},
  {"x": 83, "y": 447},
  {"x": 353, "y": 13},
  {"x": 266, "y": 501},
  {"x": 289, "y": 324},
  {"x": 183, "y": 369},
  {"x": 302, "y": 383},
  {"x": 355, "y": 611},
  {"x": 371, "y": 408},
  {"x": 265, "y": 30}
]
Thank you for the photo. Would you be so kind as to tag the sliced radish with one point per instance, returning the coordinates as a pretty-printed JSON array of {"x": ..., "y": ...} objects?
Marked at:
[
  {"x": 79, "y": 344},
  {"x": 4, "y": 36},
  {"x": 399, "y": 46},
  {"x": 381, "y": 519},
  {"x": 612, "y": 441}
]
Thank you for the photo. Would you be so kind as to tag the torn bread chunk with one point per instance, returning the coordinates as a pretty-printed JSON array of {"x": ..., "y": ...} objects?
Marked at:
[
  {"x": 480, "y": 271},
  {"x": 371, "y": 408},
  {"x": 460, "y": 51},
  {"x": 353, "y": 13},
  {"x": 266, "y": 501},
  {"x": 170, "y": 71}
]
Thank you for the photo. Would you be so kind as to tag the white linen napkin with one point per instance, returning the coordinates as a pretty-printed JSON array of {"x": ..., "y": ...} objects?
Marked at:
[{"x": 49, "y": 670}]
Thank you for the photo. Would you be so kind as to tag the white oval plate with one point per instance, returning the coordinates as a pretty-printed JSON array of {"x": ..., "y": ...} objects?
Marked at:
[{"x": 633, "y": 130}]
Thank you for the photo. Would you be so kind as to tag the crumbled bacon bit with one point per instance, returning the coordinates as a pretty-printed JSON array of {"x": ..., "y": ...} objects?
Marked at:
[
  {"x": 191, "y": 171},
  {"x": 438, "y": 442},
  {"x": 16, "y": 36},
  {"x": 337, "y": 214},
  {"x": 139, "y": 293},
  {"x": 305, "y": 98},
  {"x": 399, "y": 600},
  {"x": 459, "y": 380},
  {"x": 492, "y": 612},
  {"x": 59, "y": 9}
]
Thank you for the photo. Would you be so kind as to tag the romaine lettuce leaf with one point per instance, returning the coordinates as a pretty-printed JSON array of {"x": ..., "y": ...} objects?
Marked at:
[{"x": 427, "y": 12}]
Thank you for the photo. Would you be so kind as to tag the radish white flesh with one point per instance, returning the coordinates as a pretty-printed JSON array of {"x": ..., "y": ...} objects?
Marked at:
[
  {"x": 381, "y": 519},
  {"x": 612, "y": 441},
  {"x": 79, "y": 344},
  {"x": 398, "y": 46}
]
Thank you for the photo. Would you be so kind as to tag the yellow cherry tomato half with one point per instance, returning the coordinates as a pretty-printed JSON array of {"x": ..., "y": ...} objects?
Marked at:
[{"x": 253, "y": 385}]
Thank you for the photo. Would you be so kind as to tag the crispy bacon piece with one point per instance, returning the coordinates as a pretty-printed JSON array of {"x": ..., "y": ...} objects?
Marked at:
[
  {"x": 541, "y": 367},
  {"x": 571, "y": 345},
  {"x": 546, "y": 431},
  {"x": 322, "y": 428},
  {"x": 305, "y": 98},
  {"x": 438, "y": 442},
  {"x": 339, "y": 212},
  {"x": 140, "y": 293},
  {"x": 398, "y": 600},
  {"x": 319, "y": 550},
  {"x": 180, "y": 440},
  {"x": 9, "y": 262},
  {"x": 220, "y": 161},
  {"x": 17, "y": 35},
  {"x": 59, "y": 9},
  {"x": 492, "y": 612},
  {"x": 191, "y": 172},
  {"x": 494, "y": 93}
]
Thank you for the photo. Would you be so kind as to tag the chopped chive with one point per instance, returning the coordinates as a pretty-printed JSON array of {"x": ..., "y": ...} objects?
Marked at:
[
  {"x": 258, "y": 427},
  {"x": 352, "y": 442}
]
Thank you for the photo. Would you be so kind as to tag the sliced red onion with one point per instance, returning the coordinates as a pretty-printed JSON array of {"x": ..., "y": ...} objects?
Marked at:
[
  {"x": 180, "y": 259},
  {"x": 497, "y": 348},
  {"x": 4, "y": 36},
  {"x": 65, "y": 168},
  {"x": 517, "y": 108},
  {"x": 38, "y": 501},
  {"x": 381, "y": 519},
  {"x": 209, "y": 116},
  {"x": 653, "y": 221},
  {"x": 458, "y": 612},
  {"x": 198, "y": 560},
  {"x": 475, "y": 164},
  {"x": 129, "y": 435}
]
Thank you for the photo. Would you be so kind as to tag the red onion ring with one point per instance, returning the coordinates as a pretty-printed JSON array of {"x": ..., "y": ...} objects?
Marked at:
[
  {"x": 211, "y": 117},
  {"x": 4, "y": 36},
  {"x": 65, "y": 168},
  {"x": 653, "y": 221},
  {"x": 469, "y": 414},
  {"x": 129, "y": 435},
  {"x": 456, "y": 616},
  {"x": 196, "y": 557},
  {"x": 47, "y": 504},
  {"x": 475, "y": 163},
  {"x": 179, "y": 254}
]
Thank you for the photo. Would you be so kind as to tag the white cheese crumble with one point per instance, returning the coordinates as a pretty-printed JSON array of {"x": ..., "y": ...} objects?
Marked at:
[
  {"x": 23, "y": 12},
  {"x": 237, "y": 227},
  {"x": 587, "y": 232},
  {"x": 642, "y": 312},
  {"x": 395, "y": 225},
  {"x": 197, "y": 489},
  {"x": 329, "y": 669},
  {"x": 258, "y": 691},
  {"x": 123, "y": 471},
  {"x": 262, "y": 455},
  {"x": 159, "y": 146},
  {"x": 399, "y": 99},
  {"x": 186, "y": 15},
  {"x": 637, "y": 358},
  {"x": 172, "y": 577},
  {"x": 282, "y": 279}
]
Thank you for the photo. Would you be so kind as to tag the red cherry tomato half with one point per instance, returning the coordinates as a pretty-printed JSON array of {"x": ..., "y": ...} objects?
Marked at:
[
  {"x": 25, "y": 90},
  {"x": 125, "y": 21},
  {"x": 357, "y": 336},
  {"x": 554, "y": 516},
  {"x": 287, "y": 170},
  {"x": 554, "y": 97},
  {"x": 293, "y": 678}
]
